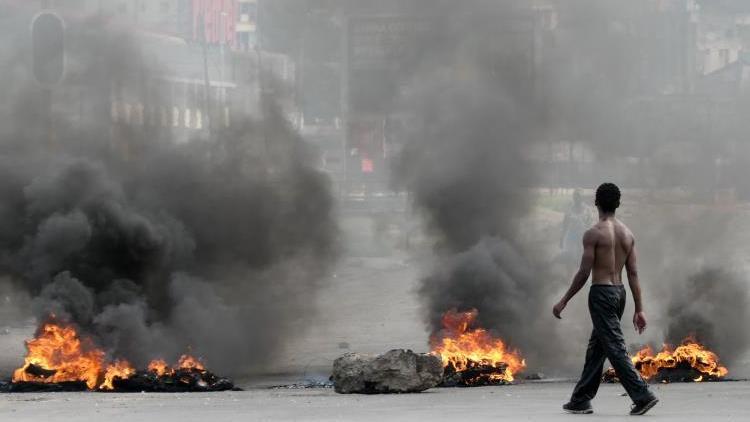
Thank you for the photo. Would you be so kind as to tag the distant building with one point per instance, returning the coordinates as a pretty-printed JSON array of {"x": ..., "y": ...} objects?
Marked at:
[
  {"x": 213, "y": 21},
  {"x": 729, "y": 81},
  {"x": 164, "y": 16},
  {"x": 247, "y": 25},
  {"x": 719, "y": 42},
  {"x": 190, "y": 49}
]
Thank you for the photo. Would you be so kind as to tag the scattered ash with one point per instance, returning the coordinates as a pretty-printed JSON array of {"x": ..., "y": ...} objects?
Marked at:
[
  {"x": 304, "y": 385},
  {"x": 43, "y": 387}
]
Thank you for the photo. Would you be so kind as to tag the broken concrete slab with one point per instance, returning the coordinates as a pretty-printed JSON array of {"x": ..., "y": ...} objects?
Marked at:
[{"x": 394, "y": 372}]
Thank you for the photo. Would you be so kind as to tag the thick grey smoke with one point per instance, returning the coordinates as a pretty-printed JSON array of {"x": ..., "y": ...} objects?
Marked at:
[
  {"x": 688, "y": 259},
  {"x": 481, "y": 100},
  {"x": 465, "y": 168},
  {"x": 154, "y": 247},
  {"x": 712, "y": 307},
  {"x": 697, "y": 282}
]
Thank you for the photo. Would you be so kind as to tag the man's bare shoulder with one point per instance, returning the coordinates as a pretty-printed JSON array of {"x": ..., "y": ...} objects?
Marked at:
[
  {"x": 624, "y": 236},
  {"x": 624, "y": 229},
  {"x": 592, "y": 235}
]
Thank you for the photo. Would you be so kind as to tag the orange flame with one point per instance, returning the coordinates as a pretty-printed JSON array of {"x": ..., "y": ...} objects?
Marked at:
[
  {"x": 160, "y": 367},
  {"x": 189, "y": 362},
  {"x": 463, "y": 348},
  {"x": 690, "y": 352},
  {"x": 119, "y": 369},
  {"x": 58, "y": 355}
]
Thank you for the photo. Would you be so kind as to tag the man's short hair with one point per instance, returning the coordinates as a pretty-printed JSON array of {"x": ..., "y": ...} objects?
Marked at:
[{"x": 608, "y": 197}]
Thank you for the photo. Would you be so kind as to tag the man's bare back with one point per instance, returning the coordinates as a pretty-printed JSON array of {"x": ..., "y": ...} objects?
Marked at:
[
  {"x": 612, "y": 244},
  {"x": 608, "y": 247}
]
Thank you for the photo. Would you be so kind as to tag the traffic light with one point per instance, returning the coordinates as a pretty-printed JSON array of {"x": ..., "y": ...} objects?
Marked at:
[{"x": 48, "y": 48}]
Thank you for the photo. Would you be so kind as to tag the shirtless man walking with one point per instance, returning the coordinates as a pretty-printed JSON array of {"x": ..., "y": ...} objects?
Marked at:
[{"x": 607, "y": 248}]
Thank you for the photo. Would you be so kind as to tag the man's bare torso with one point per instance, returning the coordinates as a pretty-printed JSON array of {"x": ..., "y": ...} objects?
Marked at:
[{"x": 614, "y": 242}]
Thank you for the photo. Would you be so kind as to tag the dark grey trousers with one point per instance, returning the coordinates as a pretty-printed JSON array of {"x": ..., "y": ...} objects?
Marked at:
[{"x": 606, "y": 305}]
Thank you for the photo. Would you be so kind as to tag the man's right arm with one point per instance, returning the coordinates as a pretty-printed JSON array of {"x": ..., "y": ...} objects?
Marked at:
[
  {"x": 631, "y": 266},
  {"x": 579, "y": 280}
]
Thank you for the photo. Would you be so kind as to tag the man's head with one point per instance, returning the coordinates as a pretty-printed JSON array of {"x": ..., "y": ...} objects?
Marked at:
[{"x": 607, "y": 198}]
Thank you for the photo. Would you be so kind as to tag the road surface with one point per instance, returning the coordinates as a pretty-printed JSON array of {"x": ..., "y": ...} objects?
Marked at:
[{"x": 725, "y": 401}]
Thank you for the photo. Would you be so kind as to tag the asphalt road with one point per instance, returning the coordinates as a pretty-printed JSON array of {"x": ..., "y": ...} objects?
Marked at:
[{"x": 727, "y": 401}]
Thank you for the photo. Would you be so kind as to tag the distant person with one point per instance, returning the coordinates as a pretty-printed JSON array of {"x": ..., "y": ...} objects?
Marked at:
[
  {"x": 608, "y": 247},
  {"x": 577, "y": 219}
]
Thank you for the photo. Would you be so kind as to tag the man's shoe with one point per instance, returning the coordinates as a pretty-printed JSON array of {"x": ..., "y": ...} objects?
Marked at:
[
  {"x": 643, "y": 407},
  {"x": 580, "y": 408}
]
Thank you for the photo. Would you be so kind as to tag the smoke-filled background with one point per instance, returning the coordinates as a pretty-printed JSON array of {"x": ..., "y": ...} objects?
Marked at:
[
  {"x": 447, "y": 135},
  {"x": 470, "y": 171},
  {"x": 485, "y": 100}
]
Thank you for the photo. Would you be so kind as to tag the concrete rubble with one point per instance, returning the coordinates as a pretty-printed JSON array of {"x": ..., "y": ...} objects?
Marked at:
[{"x": 397, "y": 371}]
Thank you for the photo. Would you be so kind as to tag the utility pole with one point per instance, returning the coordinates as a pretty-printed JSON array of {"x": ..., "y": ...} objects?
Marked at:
[
  {"x": 222, "y": 44},
  {"x": 344, "y": 100},
  {"x": 258, "y": 50},
  {"x": 259, "y": 73},
  {"x": 206, "y": 80}
]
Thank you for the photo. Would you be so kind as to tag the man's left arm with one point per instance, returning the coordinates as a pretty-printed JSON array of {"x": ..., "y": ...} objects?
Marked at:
[
  {"x": 584, "y": 271},
  {"x": 639, "y": 318}
]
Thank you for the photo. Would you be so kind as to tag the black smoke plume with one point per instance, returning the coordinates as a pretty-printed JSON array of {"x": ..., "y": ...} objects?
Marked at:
[
  {"x": 156, "y": 247},
  {"x": 464, "y": 167},
  {"x": 712, "y": 307},
  {"x": 693, "y": 276}
]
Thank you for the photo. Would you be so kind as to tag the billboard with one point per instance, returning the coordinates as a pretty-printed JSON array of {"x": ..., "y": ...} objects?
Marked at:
[{"x": 216, "y": 21}]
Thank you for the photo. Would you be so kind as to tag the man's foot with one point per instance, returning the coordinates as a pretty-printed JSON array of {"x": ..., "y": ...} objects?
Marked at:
[
  {"x": 643, "y": 407},
  {"x": 580, "y": 408}
]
